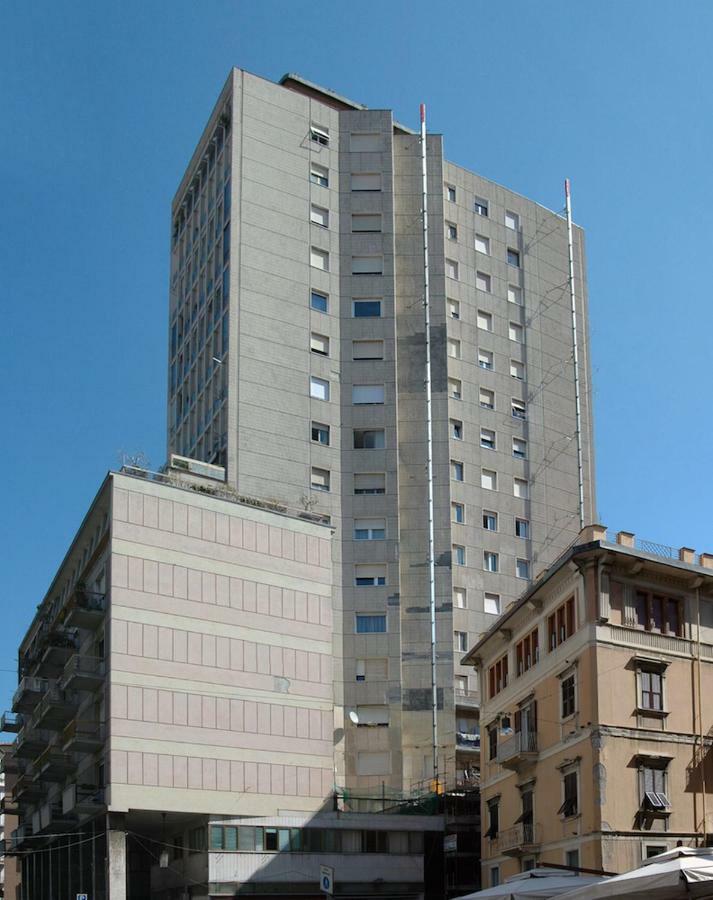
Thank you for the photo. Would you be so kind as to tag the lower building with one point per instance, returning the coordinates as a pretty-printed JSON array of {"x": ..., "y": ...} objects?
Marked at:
[
  {"x": 9, "y": 870},
  {"x": 597, "y": 712}
]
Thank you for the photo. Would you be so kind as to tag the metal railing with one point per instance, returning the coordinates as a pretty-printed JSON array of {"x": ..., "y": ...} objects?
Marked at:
[
  {"x": 516, "y": 837},
  {"x": 467, "y": 698},
  {"x": 467, "y": 741},
  {"x": 646, "y": 546},
  {"x": 520, "y": 742},
  {"x": 29, "y": 684}
]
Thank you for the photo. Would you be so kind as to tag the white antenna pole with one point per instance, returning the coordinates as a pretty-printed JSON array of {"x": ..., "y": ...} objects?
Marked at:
[
  {"x": 575, "y": 354},
  {"x": 429, "y": 455}
]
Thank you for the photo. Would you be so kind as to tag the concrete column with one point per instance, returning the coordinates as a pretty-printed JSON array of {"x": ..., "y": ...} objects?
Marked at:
[{"x": 116, "y": 858}]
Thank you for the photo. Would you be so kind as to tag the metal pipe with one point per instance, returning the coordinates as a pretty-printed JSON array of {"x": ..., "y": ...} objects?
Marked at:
[
  {"x": 700, "y": 713},
  {"x": 429, "y": 455},
  {"x": 575, "y": 353}
]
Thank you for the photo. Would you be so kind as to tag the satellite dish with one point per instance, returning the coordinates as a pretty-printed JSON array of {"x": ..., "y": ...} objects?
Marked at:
[{"x": 354, "y": 717}]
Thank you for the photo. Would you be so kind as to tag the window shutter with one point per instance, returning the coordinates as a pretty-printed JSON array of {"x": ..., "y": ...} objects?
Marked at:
[{"x": 366, "y": 182}]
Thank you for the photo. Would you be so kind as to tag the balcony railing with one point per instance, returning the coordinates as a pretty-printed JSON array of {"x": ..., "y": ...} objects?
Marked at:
[
  {"x": 31, "y": 741},
  {"x": 82, "y": 799},
  {"x": 10, "y": 721},
  {"x": 83, "y": 673},
  {"x": 55, "y": 709},
  {"x": 82, "y": 736},
  {"x": 519, "y": 838},
  {"x": 28, "y": 692},
  {"x": 50, "y": 650},
  {"x": 86, "y": 609},
  {"x": 521, "y": 746},
  {"x": 467, "y": 741},
  {"x": 470, "y": 699}
]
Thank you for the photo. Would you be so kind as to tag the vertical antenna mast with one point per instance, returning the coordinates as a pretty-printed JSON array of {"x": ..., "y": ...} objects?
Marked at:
[
  {"x": 575, "y": 354},
  {"x": 429, "y": 455}
]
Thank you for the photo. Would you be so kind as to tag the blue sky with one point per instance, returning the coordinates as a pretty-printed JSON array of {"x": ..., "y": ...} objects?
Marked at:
[{"x": 101, "y": 104}]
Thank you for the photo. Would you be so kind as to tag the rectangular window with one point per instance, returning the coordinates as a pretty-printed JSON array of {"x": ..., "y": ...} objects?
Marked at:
[
  {"x": 498, "y": 676},
  {"x": 365, "y": 143},
  {"x": 370, "y": 624},
  {"x": 455, "y": 389},
  {"x": 366, "y": 309},
  {"x": 451, "y": 231},
  {"x": 567, "y": 690},
  {"x": 489, "y": 480},
  {"x": 487, "y": 439},
  {"x": 570, "y": 805},
  {"x": 491, "y": 561},
  {"x": 512, "y": 220},
  {"x": 458, "y": 513},
  {"x": 513, "y": 257},
  {"x": 527, "y": 653},
  {"x": 515, "y": 294},
  {"x": 457, "y": 471},
  {"x": 487, "y": 398},
  {"x": 657, "y": 613},
  {"x": 484, "y": 320},
  {"x": 319, "y": 259},
  {"x": 522, "y": 568},
  {"x": 372, "y": 714},
  {"x": 363, "y": 181},
  {"x": 367, "y": 265},
  {"x": 483, "y": 281},
  {"x": 460, "y": 641},
  {"x": 522, "y": 528},
  {"x": 369, "y": 482},
  {"x": 516, "y": 332},
  {"x": 319, "y": 479},
  {"x": 517, "y": 370},
  {"x": 319, "y": 301},
  {"x": 370, "y": 576},
  {"x": 485, "y": 359},
  {"x": 453, "y": 348},
  {"x": 459, "y": 598},
  {"x": 367, "y": 349},
  {"x": 452, "y": 269},
  {"x": 651, "y": 689},
  {"x": 482, "y": 244},
  {"x": 458, "y": 554},
  {"x": 490, "y": 520},
  {"x": 492, "y": 745},
  {"x": 368, "y": 394},
  {"x": 521, "y": 488},
  {"x": 320, "y": 433},
  {"x": 318, "y": 215},
  {"x": 451, "y": 193},
  {"x": 369, "y": 529},
  {"x": 561, "y": 624},
  {"x": 373, "y": 669},
  {"x": 456, "y": 429},
  {"x": 454, "y": 309},
  {"x": 369, "y": 439},
  {"x": 491, "y": 603},
  {"x": 481, "y": 207},
  {"x": 654, "y": 797},
  {"x": 519, "y": 448},
  {"x": 519, "y": 410},
  {"x": 319, "y": 343},
  {"x": 366, "y": 223},
  {"x": 319, "y": 135},
  {"x": 318, "y": 388},
  {"x": 319, "y": 175}
]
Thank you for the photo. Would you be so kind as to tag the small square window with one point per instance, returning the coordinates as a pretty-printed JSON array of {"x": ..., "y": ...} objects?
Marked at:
[
  {"x": 516, "y": 332},
  {"x": 491, "y": 603},
  {"x": 369, "y": 482},
  {"x": 369, "y": 529},
  {"x": 571, "y": 859},
  {"x": 521, "y": 488},
  {"x": 517, "y": 370},
  {"x": 481, "y": 207},
  {"x": 319, "y": 259},
  {"x": 318, "y": 215},
  {"x": 522, "y": 568},
  {"x": 319, "y": 135},
  {"x": 458, "y": 554},
  {"x": 452, "y": 269},
  {"x": 456, "y": 429},
  {"x": 513, "y": 257},
  {"x": 519, "y": 410},
  {"x": 484, "y": 320},
  {"x": 319, "y": 343},
  {"x": 459, "y": 598},
  {"x": 512, "y": 220},
  {"x": 519, "y": 448},
  {"x": 370, "y": 624},
  {"x": 451, "y": 231},
  {"x": 458, "y": 513},
  {"x": 367, "y": 394},
  {"x": 366, "y": 309},
  {"x": 515, "y": 294},
  {"x": 320, "y": 479},
  {"x": 491, "y": 561},
  {"x": 369, "y": 439},
  {"x": 366, "y": 181},
  {"x": 366, "y": 223},
  {"x": 482, "y": 281},
  {"x": 368, "y": 265},
  {"x": 487, "y": 438},
  {"x": 454, "y": 309},
  {"x": 453, "y": 347},
  {"x": 482, "y": 244},
  {"x": 367, "y": 350},
  {"x": 455, "y": 389},
  {"x": 319, "y": 388},
  {"x": 460, "y": 641},
  {"x": 451, "y": 193},
  {"x": 319, "y": 301},
  {"x": 490, "y": 520},
  {"x": 370, "y": 576},
  {"x": 522, "y": 528},
  {"x": 457, "y": 471},
  {"x": 487, "y": 398},
  {"x": 319, "y": 175},
  {"x": 320, "y": 433},
  {"x": 485, "y": 359},
  {"x": 489, "y": 480}
]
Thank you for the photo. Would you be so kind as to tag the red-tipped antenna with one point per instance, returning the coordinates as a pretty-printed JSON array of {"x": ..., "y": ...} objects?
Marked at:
[{"x": 423, "y": 112}]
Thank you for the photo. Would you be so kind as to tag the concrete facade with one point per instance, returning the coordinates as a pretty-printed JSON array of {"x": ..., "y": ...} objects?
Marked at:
[
  {"x": 296, "y": 359},
  {"x": 596, "y": 746}
]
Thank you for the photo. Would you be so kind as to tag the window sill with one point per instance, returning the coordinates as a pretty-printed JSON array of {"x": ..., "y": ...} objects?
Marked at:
[{"x": 652, "y": 713}]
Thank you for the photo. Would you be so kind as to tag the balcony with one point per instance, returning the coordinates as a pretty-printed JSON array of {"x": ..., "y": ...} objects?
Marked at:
[
  {"x": 10, "y": 721},
  {"x": 82, "y": 737},
  {"x": 82, "y": 673},
  {"x": 27, "y": 788},
  {"x": 52, "y": 818},
  {"x": 82, "y": 799},
  {"x": 86, "y": 609},
  {"x": 30, "y": 742},
  {"x": 518, "y": 750},
  {"x": 18, "y": 838},
  {"x": 467, "y": 700},
  {"x": 8, "y": 806},
  {"x": 55, "y": 709},
  {"x": 9, "y": 764},
  {"x": 29, "y": 692},
  {"x": 52, "y": 765},
  {"x": 516, "y": 841},
  {"x": 467, "y": 742}
]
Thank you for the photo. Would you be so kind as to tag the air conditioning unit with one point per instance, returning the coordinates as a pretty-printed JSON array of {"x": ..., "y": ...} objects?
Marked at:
[{"x": 196, "y": 467}]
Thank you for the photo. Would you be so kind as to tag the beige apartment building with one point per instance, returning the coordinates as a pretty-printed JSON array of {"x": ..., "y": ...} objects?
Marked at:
[{"x": 597, "y": 687}]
